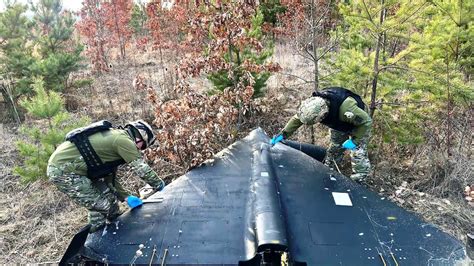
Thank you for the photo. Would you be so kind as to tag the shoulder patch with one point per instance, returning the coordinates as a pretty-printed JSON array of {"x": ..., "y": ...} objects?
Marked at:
[{"x": 349, "y": 115}]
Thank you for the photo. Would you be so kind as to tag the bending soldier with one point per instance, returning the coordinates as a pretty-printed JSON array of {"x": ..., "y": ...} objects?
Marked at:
[
  {"x": 84, "y": 167},
  {"x": 346, "y": 115}
]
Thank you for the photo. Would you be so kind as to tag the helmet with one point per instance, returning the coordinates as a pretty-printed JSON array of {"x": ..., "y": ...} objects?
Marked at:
[
  {"x": 312, "y": 110},
  {"x": 141, "y": 129}
]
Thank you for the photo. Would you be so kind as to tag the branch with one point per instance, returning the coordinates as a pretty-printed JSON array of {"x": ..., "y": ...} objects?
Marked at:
[
  {"x": 447, "y": 13},
  {"x": 303, "y": 83},
  {"x": 324, "y": 13},
  {"x": 309, "y": 53},
  {"x": 330, "y": 74},
  {"x": 368, "y": 13},
  {"x": 295, "y": 76},
  {"x": 335, "y": 43},
  {"x": 394, "y": 63},
  {"x": 433, "y": 75},
  {"x": 407, "y": 18},
  {"x": 402, "y": 103}
]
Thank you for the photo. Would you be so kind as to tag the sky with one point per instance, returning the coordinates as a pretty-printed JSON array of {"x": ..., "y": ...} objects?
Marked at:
[{"x": 73, "y": 5}]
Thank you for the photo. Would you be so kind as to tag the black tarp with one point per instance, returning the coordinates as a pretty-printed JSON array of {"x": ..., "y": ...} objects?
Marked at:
[{"x": 254, "y": 199}]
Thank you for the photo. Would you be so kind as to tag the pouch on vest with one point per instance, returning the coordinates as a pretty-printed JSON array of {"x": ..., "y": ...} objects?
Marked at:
[{"x": 80, "y": 137}]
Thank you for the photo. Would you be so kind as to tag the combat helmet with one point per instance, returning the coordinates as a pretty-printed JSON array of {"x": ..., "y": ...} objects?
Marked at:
[
  {"x": 313, "y": 110},
  {"x": 141, "y": 129}
]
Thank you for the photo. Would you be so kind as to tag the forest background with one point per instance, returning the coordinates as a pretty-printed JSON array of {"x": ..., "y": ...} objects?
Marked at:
[{"x": 205, "y": 73}]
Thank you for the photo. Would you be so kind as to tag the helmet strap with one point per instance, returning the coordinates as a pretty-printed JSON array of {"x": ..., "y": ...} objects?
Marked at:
[{"x": 131, "y": 132}]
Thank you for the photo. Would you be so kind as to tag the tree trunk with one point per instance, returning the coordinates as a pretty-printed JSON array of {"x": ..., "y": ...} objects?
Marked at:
[
  {"x": 100, "y": 35},
  {"x": 448, "y": 133},
  {"x": 376, "y": 62},
  {"x": 119, "y": 35},
  {"x": 314, "y": 33}
]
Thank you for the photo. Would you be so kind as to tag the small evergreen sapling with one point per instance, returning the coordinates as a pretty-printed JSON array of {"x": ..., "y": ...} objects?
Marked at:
[{"x": 43, "y": 140}]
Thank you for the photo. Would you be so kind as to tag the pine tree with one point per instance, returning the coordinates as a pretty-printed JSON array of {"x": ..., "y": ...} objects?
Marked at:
[
  {"x": 439, "y": 63},
  {"x": 59, "y": 54},
  {"x": 15, "y": 55},
  {"x": 39, "y": 46},
  {"x": 370, "y": 60},
  {"x": 240, "y": 55},
  {"x": 49, "y": 107},
  {"x": 271, "y": 10},
  {"x": 138, "y": 20},
  {"x": 421, "y": 69},
  {"x": 236, "y": 52},
  {"x": 374, "y": 33}
]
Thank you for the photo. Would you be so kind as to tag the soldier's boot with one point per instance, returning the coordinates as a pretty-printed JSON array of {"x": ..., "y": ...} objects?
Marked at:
[
  {"x": 114, "y": 212},
  {"x": 96, "y": 220},
  {"x": 359, "y": 178}
]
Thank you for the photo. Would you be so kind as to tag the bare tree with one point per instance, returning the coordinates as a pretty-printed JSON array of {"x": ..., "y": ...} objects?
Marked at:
[{"x": 314, "y": 42}]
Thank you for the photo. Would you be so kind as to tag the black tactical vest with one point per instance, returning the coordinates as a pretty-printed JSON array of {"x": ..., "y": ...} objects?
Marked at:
[
  {"x": 80, "y": 137},
  {"x": 336, "y": 96}
]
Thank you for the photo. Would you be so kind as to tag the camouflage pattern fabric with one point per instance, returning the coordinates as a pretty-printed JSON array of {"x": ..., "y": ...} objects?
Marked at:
[
  {"x": 335, "y": 151},
  {"x": 359, "y": 156},
  {"x": 144, "y": 171},
  {"x": 312, "y": 110},
  {"x": 97, "y": 196}
]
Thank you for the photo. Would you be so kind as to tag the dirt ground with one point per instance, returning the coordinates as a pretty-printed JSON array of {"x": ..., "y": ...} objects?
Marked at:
[{"x": 37, "y": 222}]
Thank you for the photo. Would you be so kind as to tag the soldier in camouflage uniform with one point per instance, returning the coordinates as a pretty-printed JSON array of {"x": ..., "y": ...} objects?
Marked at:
[
  {"x": 346, "y": 115},
  {"x": 68, "y": 170}
]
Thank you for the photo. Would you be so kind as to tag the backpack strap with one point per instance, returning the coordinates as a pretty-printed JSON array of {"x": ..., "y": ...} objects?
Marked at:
[{"x": 96, "y": 168}]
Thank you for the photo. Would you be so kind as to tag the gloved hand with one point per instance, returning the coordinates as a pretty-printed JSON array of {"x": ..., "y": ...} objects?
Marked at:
[
  {"x": 146, "y": 191},
  {"x": 349, "y": 144},
  {"x": 133, "y": 201},
  {"x": 276, "y": 139}
]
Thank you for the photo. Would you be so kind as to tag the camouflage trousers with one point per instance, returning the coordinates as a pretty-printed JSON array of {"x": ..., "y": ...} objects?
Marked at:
[
  {"x": 98, "y": 196},
  {"x": 359, "y": 157}
]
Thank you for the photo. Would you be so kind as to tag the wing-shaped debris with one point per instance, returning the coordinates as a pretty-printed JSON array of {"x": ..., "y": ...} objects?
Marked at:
[{"x": 256, "y": 204}]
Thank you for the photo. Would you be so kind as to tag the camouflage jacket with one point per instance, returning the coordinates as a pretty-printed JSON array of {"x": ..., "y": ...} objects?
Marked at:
[
  {"x": 110, "y": 145},
  {"x": 348, "y": 112}
]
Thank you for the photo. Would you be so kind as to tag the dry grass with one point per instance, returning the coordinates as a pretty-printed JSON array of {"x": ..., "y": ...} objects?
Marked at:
[{"x": 36, "y": 221}]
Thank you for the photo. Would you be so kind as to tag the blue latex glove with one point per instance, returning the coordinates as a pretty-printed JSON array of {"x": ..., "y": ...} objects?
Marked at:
[
  {"x": 349, "y": 144},
  {"x": 134, "y": 202},
  {"x": 276, "y": 139}
]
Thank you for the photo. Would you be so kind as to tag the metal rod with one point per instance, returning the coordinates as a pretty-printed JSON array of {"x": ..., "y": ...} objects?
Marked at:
[
  {"x": 381, "y": 257},
  {"x": 395, "y": 260},
  {"x": 152, "y": 255},
  {"x": 337, "y": 167},
  {"x": 164, "y": 257}
]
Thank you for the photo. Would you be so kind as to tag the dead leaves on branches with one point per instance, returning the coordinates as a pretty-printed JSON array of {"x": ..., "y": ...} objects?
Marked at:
[{"x": 193, "y": 127}]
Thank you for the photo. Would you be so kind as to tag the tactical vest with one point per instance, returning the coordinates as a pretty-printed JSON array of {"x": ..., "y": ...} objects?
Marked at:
[
  {"x": 336, "y": 96},
  {"x": 80, "y": 137}
]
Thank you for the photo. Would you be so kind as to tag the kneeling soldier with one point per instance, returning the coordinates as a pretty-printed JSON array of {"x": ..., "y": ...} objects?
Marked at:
[{"x": 84, "y": 167}]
